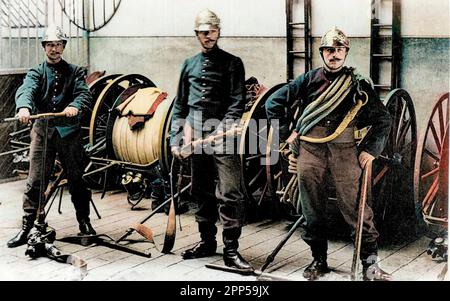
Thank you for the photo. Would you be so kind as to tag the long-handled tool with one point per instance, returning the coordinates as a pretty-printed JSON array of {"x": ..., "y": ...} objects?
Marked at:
[
  {"x": 186, "y": 151},
  {"x": 190, "y": 148},
  {"x": 41, "y": 237},
  {"x": 366, "y": 188},
  {"x": 260, "y": 273},
  {"x": 169, "y": 238},
  {"x": 33, "y": 117}
]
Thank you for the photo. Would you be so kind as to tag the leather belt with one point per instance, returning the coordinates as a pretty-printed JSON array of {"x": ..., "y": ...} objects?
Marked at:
[{"x": 348, "y": 135}]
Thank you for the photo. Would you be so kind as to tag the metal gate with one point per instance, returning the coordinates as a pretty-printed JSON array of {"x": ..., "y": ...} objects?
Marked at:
[{"x": 22, "y": 23}]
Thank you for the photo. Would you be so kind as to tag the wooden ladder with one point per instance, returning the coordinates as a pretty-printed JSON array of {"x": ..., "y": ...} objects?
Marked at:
[
  {"x": 293, "y": 25},
  {"x": 385, "y": 46}
]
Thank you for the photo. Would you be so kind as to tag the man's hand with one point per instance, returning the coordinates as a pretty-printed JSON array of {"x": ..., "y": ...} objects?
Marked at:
[
  {"x": 292, "y": 137},
  {"x": 177, "y": 153},
  {"x": 364, "y": 158},
  {"x": 292, "y": 168},
  {"x": 24, "y": 115},
  {"x": 71, "y": 111}
]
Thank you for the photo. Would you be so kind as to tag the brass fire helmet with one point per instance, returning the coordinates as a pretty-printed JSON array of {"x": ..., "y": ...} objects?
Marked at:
[
  {"x": 334, "y": 38},
  {"x": 206, "y": 20},
  {"x": 53, "y": 33}
]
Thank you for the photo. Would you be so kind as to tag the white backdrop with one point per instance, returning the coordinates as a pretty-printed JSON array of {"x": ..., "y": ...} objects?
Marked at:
[{"x": 266, "y": 18}]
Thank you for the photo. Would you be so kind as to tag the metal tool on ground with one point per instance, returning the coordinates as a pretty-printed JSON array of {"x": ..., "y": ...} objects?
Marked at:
[
  {"x": 41, "y": 237},
  {"x": 57, "y": 187},
  {"x": 260, "y": 273},
  {"x": 107, "y": 241},
  {"x": 261, "y": 276},
  {"x": 365, "y": 194}
]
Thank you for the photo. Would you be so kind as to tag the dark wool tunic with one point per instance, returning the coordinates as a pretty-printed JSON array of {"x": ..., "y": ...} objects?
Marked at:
[
  {"x": 338, "y": 158},
  {"x": 51, "y": 88},
  {"x": 212, "y": 85},
  {"x": 309, "y": 86}
]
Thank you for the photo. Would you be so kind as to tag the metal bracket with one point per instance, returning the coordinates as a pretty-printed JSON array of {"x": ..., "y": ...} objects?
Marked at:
[{"x": 103, "y": 240}]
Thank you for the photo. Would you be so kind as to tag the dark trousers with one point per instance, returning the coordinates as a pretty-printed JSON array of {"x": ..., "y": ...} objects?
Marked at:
[
  {"x": 341, "y": 160},
  {"x": 71, "y": 155},
  {"x": 226, "y": 200}
]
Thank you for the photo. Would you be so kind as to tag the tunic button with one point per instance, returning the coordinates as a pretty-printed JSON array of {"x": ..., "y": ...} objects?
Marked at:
[
  {"x": 203, "y": 70},
  {"x": 203, "y": 84},
  {"x": 203, "y": 91},
  {"x": 203, "y": 97},
  {"x": 203, "y": 77}
]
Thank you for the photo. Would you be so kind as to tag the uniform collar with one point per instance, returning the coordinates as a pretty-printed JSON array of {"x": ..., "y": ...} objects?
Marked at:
[
  {"x": 333, "y": 75},
  {"x": 58, "y": 66},
  {"x": 212, "y": 53}
]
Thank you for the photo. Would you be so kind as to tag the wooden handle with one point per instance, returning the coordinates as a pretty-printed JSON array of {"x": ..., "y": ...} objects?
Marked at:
[{"x": 33, "y": 117}]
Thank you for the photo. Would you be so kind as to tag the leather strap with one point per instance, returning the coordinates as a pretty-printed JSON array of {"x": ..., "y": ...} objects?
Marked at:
[
  {"x": 134, "y": 120},
  {"x": 344, "y": 124}
]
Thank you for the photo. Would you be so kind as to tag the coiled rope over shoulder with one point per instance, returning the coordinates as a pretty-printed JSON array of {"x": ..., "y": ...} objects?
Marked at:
[{"x": 343, "y": 125}]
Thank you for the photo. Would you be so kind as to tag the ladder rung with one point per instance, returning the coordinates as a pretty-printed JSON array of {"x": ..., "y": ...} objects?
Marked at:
[
  {"x": 296, "y": 23},
  {"x": 383, "y": 25},
  {"x": 383, "y": 86},
  {"x": 297, "y": 52},
  {"x": 381, "y": 55}
]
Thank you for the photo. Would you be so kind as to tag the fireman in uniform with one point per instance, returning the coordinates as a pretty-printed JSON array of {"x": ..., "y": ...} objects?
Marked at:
[
  {"x": 329, "y": 104},
  {"x": 54, "y": 86},
  {"x": 211, "y": 87}
]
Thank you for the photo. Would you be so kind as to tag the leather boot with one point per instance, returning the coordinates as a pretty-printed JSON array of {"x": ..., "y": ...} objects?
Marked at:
[
  {"x": 372, "y": 271},
  {"x": 202, "y": 249},
  {"x": 21, "y": 238},
  {"x": 207, "y": 246},
  {"x": 231, "y": 256},
  {"x": 86, "y": 228},
  {"x": 317, "y": 268}
]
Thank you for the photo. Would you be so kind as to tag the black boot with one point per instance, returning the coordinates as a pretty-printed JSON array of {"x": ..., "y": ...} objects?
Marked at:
[
  {"x": 21, "y": 237},
  {"x": 231, "y": 256},
  {"x": 317, "y": 268},
  {"x": 372, "y": 271},
  {"x": 86, "y": 228},
  {"x": 369, "y": 258},
  {"x": 207, "y": 246},
  {"x": 202, "y": 249}
]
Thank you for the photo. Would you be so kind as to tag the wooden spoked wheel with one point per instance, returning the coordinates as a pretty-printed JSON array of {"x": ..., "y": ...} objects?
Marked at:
[
  {"x": 431, "y": 166},
  {"x": 252, "y": 145},
  {"x": 96, "y": 87},
  {"x": 104, "y": 103},
  {"x": 393, "y": 171},
  {"x": 108, "y": 91},
  {"x": 277, "y": 163}
]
